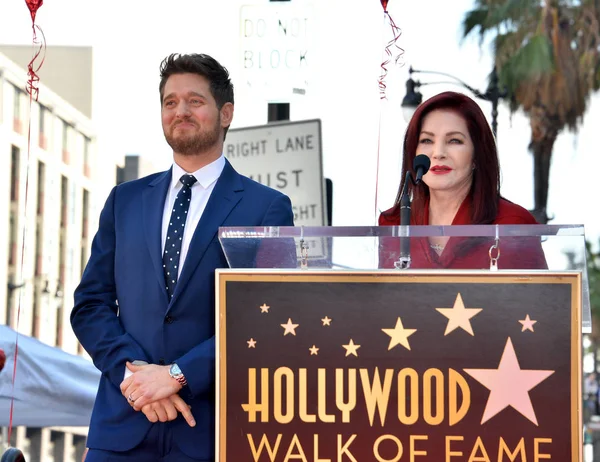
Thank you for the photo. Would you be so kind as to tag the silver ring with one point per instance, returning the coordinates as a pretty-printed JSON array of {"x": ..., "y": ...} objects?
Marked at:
[{"x": 130, "y": 398}]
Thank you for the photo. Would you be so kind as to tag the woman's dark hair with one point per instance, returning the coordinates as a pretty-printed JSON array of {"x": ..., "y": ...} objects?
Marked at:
[{"x": 485, "y": 188}]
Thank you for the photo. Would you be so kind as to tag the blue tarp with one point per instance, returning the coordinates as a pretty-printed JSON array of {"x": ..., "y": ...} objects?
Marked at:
[{"x": 52, "y": 387}]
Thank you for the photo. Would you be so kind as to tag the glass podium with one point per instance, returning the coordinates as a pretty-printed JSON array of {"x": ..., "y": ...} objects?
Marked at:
[
  {"x": 481, "y": 247},
  {"x": 399, "y": 343}
]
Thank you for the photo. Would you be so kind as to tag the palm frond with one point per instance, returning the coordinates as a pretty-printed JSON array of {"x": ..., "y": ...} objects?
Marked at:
[
  {"x": 475, "y": 19},
  {"x": 527, "y": 62},
  {"x": 514, "y": 11}
]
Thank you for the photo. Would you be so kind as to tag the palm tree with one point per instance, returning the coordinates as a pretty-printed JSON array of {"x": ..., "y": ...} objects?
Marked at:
[{"x": 547, "y": 56}]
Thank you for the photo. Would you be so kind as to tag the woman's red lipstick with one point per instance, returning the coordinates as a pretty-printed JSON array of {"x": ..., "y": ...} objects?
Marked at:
[{"x": 440, "y": 169}]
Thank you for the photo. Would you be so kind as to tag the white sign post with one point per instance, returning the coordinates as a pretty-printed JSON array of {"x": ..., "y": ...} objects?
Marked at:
[{"x": 285, "y": 156}]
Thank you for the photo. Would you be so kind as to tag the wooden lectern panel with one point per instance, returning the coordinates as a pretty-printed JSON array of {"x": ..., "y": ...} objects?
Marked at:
[{"x": 398, "y": 366}]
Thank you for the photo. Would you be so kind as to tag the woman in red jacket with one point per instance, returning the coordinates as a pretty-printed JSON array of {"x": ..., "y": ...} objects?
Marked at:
[{"x": 462, "y": 187}]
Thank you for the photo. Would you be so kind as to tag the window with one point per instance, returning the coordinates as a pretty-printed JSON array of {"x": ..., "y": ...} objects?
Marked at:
[
  {"x": 41, "y": 179},
  {"x": 17, "y": 104},
  {"x": 65, "y": 142},
  {"x": 12, "y": 240},
  {"x": 59, "y": 326},
  {"x": 43, "y": 119},
  {"x": 65, "y": 136},
  {"x": 84, "y": 213},
  {"x": 86, "y": 156},
  {"x": 35, "y": 315},
  {"x": 84, "y": 230},
  {"x": 43, "y": 139},
  {"x": 14, "y": 173},
  {"x": 10, "y": 302},
  {"x": 62, "y": 233},
  {"x": 12, "y": 233},
  {"x": 64, "y": 188},
  {"x": 17, "y": 124},
  {"x": 38, "y": 250}
]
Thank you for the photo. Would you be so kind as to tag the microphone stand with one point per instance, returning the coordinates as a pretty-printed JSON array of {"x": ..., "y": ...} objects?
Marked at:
[
  {"x": 421, "y": 165},
  {"x": 405, "y": 202}
]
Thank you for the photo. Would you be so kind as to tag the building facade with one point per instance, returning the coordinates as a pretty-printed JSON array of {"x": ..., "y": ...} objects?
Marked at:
[{"x": 53, "y": 183}]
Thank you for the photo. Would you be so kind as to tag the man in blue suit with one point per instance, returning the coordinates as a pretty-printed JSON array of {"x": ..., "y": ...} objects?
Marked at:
[{"x": 145, "y": 307}]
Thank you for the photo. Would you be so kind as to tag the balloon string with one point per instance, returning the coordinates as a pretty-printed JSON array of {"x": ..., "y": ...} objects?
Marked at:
[
  {"x": 33, "y": 90},
  {"x": 377, "y": 166},
  {"x": 33, "y": 67},
  {"x": 396, "y": 32}
]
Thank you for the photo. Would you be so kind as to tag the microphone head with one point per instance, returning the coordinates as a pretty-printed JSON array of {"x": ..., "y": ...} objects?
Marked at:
[{"x": 421, "y": 161}]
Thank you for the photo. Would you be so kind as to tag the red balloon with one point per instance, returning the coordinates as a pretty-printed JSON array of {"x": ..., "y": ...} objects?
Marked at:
[
  {"x": 2, "y": 358},
  {"x": 384, "y": 4},
  {"x": 34, "y": 5}
]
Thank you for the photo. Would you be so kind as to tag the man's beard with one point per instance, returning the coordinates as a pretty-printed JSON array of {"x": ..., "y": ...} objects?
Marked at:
[{"x": 196, "y": 143}]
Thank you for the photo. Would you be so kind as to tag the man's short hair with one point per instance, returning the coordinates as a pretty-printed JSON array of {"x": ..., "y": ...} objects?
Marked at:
[{"x": 221, "y": 87}]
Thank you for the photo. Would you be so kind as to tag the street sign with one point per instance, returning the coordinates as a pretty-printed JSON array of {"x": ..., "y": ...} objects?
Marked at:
[
  {"x": 285, "y": 156},
  {"x": 276, "y": 48}
]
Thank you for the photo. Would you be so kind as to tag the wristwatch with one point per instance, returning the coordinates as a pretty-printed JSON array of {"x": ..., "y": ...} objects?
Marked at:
[{"x": 176, "y": 373}]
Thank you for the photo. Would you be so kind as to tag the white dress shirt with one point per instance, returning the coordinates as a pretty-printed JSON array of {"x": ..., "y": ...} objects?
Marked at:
[{"x": 206, "y": 178}]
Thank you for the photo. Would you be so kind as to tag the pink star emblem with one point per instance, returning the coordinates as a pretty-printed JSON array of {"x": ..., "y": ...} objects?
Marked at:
[
  {"x": 509, "y": 385},
  {"x": 527, "y": 324}
]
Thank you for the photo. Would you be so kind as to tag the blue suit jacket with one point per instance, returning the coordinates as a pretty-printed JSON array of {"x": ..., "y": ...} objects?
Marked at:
[{"x": 122, "y": 312}]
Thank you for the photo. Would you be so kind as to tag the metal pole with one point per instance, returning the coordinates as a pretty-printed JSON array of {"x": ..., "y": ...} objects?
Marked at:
[
  {"x": 495, "y": 117},
  {"x": 494, "y": 95}
]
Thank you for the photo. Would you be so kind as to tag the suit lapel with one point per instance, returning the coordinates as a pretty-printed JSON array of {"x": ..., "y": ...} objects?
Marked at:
[
  {"x": 223, "y": 199},
  {"x": 153, "y": 203}
]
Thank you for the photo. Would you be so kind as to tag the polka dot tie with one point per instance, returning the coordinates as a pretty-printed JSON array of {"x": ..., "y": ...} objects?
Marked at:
[{"x": 175, "y": 233}]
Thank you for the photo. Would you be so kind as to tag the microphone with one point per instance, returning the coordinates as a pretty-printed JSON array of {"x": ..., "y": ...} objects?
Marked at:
[{"x": 421, "y": 165}]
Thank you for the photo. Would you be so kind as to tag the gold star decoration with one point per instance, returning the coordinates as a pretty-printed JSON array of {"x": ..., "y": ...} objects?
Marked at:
[
  {"x": 264, "y": 308},
  {"x": 527, "y": 324},
  {"x": 289, "y": 328},
  {"x": 326, "y": 321},
  {"x": 251, "y": 343},
  {"x": 399, "y": 335},
  {"x": 351, "y": 348},
  {"x": 314, "y": 350},
  {"x": 459, "y": 316}
]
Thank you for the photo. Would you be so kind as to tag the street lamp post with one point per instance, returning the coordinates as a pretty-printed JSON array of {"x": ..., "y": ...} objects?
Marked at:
[{"x": 413, "y": 97}]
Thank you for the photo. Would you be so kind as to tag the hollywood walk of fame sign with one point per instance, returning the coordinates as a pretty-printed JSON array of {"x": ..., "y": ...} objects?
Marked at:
[{"x": 395, "y": 366}]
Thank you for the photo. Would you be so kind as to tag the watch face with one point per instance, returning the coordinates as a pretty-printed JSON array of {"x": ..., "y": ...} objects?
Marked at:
[{"x": 175, "y": 369}]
